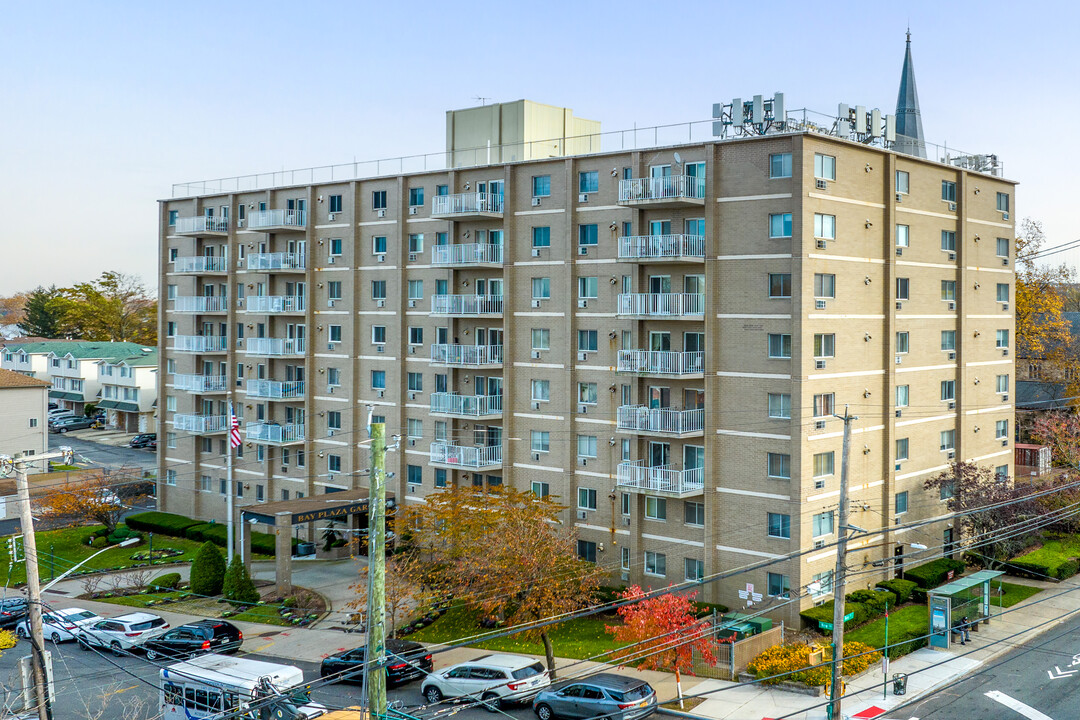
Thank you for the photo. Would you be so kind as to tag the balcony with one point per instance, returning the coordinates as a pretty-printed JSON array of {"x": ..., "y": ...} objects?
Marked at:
[
  {"x": 201, "y": 383},
  {"x": 665, "y": 305},
  {"x": 200, "y": 343},
  {"x": 274, "y": 304},
  {"x": 201, "y": 424},
  {"x": 662, "y": 362},
  {"x": 202, "y": 226},
  {"x": 200, "y": 304},
  {"x": 272, "y": 433},
  {"x": 200, "y": 264},
  {"x": 274, "y": 390},
  {"x": 663, "y": 248},
  {"x": 270, "y": 262},
  {"x": 467, "y": 305},
  {"x": 469, "y": 458},
  {"x": 467, "y": 254},
  {"x": 468, "y": 205},
  {"x": 472, "y": 406},
  {"x": 660, "y": 479},
  {"x": 277, "y": 220},
  {"x": 672, "y": 191},
  {"x": 661, "y": 421},
  {"x": 467, "y": 356},
  {"x": 276, "y": 347}
]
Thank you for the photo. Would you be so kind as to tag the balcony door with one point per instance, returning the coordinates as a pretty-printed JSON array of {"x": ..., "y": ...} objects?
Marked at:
[
  {"x": 659, "y": 454},
  {"x": 694, "y": 342},
  {"x": 207, "y": 368},
  {"x": 660, "y": 171},
  {"x": 493, "y": 437},
  {"x": 660, "y": 227},
  {"x": 479, "y": 384},
  {"x": 440, "y": 383},
  {"x": 659, "y": 283},
  {"x": 659, "y": 397},
  {"x": 694, "y": 284},
  {"x": 693, "y": 399},
  {"x": 495, "y": 187},
  {"x": 494, "y": 386},
  {"x": 207, "y": 407},
  {"x": 693, "y": 457},
  {"x": 495, "y": 287},
  {"x": 442, "y": 335},
  {"x": 298, "y": 247},
  {"x": 495, "y": 337},
  {"x": 660, "y": 341}
]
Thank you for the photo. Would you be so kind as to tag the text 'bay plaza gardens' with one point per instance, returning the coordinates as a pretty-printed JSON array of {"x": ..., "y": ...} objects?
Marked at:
[{"x": 659, "y": 335}]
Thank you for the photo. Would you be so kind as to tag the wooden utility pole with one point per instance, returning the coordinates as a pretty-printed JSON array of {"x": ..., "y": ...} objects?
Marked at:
[
  {"x": 33, "y": 591},
  {"x": 375, "y": 659},
  {"x": 839, "y": 574}
]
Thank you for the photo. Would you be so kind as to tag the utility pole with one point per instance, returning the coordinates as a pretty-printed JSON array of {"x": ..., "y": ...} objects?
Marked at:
[
  {"x": 375, "y": 658},
  {"x": 839, "y": 573}
]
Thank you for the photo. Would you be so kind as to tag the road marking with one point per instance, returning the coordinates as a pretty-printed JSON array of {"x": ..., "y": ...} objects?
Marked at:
[
  {"x": 1014, "y": 704},
  {"x": 1060, "y": 673}
]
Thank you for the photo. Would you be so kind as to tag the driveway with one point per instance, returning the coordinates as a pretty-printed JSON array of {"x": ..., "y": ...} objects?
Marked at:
[{"x": 91, "y": 453}]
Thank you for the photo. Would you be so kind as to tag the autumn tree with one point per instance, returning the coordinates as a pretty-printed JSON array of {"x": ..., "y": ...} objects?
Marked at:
[
  {"x": 41, "y": 316},
  {"x": 661, "y": 632},
  {"x": 1060, "y": 430},
  {"x": 13, "y": 308},
  {"x": 102, "y": 498},
  {"x": 114, "y": 308},
  {"x": 404, "y": 587}
]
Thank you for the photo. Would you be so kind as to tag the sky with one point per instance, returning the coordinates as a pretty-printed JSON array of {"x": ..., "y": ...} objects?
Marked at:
[{"x": 107, "y": 104}]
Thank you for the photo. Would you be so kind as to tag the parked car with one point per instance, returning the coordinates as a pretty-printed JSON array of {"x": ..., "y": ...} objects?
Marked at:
[
  {"x": 495, "y": 680},
  {"x": 59, "y": 625},
  {"x": 73, "y": 423},
  {"x": 407, "y": 660},
  {"x": 12, "y": 610},
  {"x": 67, "y": 415},
  {"x": 58, "y": 411},
  {"x": 121, "y": 634},
  {"x": 197, "y": 638},
  {"x": 606, "y": 695},
  {"x": 143, "y": 440}
]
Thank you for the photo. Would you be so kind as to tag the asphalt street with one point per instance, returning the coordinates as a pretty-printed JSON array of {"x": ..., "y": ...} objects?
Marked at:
[
  {"x": 100, "y": 454},
  {"x": 1039, "y": 681}
]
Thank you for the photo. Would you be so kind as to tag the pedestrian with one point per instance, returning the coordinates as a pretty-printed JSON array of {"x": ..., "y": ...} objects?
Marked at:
[{"x": 965, "y": 635}]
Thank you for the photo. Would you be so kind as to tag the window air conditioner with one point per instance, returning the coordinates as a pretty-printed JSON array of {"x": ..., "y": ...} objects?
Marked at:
[
  {"x": 330, "y": 433},
  {"x": 821, "y": 184},
  {"x": 899, "y": 359},
  {"x": 952, "y": 406},
  {"x": 952, "y": 256},
  {"x": 1004, "y": 306},
  {"x": 819, "y": 425},
  {"x": 1004, "y": 351},
  {"x": 582, "y": 356},
  {"x": 332, "y": 260},
  {"x": 536, "y": 405},
  {"x": 583, "y": 250},
  {"x": 412, "y": 395},
  {"x": 952, "y": 356},
  {"x": 899, "y": 197},
  {"x": 535, "y": 303},
  {"x": 381, "y": 213},
  {"x": 330, "y": 346},
  {"x": 412, "y": 303},
  {"x": 330, "y": 303},
  {"x": 536, "y": 354},
  {"x": 412, "y": 257},
  {"x": 1004, "y": 216},
  {"x": 380, "y": 393},
  {"x": 412, "y": 442},
  {"x": 330, "y": 389},
  {"x": 332, "y": 216},
  {"x": 952, "y": 207},
  {"x": 536, "y": 202},
  {"x": 380, "y": 303},
  {"x": 1004, "y": 443},
  {"x": 1004, "y": 398},
  {"x": 951, "y": 455},
  {"x": 819, "y": 364},
  {"x": 536, "y": 252},
  {"x": 626, "y": 521},
  {"x": 899, "y": 251},
  {"x": 583, "y": 303},
  {"x": 821, "y": 244},
  {"x": 625, "y": 575},
  {"x": 583, "y": 514},
  {"x": 899, "y": 413},
  {"x": 380, "y": 348},
  {"x": 583, "y": 197},
  {"x": 819, "y": 304},
  {"x": 819, "y": 544},
  {"x": 380, "y": 258},
  {"x": 412, "y": 349},
  {"x": 899, "y": 306},
  {"x": 1005, "y": 261},
  {"x": 412, "y": 210}
]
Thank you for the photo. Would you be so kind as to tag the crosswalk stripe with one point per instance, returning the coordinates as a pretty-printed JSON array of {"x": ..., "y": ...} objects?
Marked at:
[{"x": 1014, "y": 704}]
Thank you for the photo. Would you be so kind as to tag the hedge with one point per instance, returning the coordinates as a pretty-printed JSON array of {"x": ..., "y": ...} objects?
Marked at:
[
  {"x": 1042, "y": 571},
  {"x": 875, "y": 601},
  {"x": 900, "y": 588},
  {"x": 824, "y": 613},
  {"x": 180, "y": 526},
  {"x": 168, "y": 581},
  {"x": 934, "y": 573},
  {"x": 160, "y": 522}
]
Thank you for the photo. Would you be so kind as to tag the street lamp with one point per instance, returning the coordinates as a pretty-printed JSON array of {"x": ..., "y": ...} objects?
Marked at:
[{"x": 126, "y": 543}]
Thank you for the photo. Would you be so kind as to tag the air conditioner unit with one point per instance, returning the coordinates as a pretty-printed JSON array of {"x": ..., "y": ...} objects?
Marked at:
[
  {"x": 1004, "y": 398},
  {"x": 1004, "y": 443},
  {"x": 381, "y": 213},
  {"x": 583, "y": 303},
  {"x": 583, "y": 197},
  {"x": 626, "y": 522},
  {"x": 412, "y": 257},
  {"x": 952, "y": 306},
  {"x": 583, "y": 461},
  {"x": 536, "y": 405},
  {"x": 330, "y": 303},
  {"x": 899, "y": 413},
  {"x": 330, "y": 433},
  {"x": 951, "y": 455},
  {"x": 582, "y": 356},
  {"x": 240, "y": 342},
  {"x": 821, "y": 244},
  {"x": 380, "y": 303},
  {"x": 952, "y": 207},
  {"x": 821, "y": 184},
  {"x": 1004, "y": 216},
  {"x": 240, "y": 223},
  {"x": 536, "y": 303},
  {"x": 330, "y": 389},
  {"x": 899, "y": 251},
  {"x": 536, "y": 252},
  {"x": 819, "y": 364},
  {"x": 1004, "y": 351},
  {"x": 412, "y": 349},
  {"x": 899, "y": 197},
  {"x": 330, "y": 346},
  {"x": 819, "y": 544},
  {"x": 1005, "y": 261},
  {"x": 1004, "y": 306},
  {"x": 952, "y": 406},
  {"x": 332, "y": 216},
  {"x": 952, "y": 256},
  {"x": 536, "y": 456},
  {"x": 380, "y": 348},
  {"x": 412, "y": 303},
  {"x": 412, "y": 442},
  {"x": 819, "y": 425},
  {"x": 412, "y": 210},
  {"x": 899, "y": 306},
  {"x": 583, "y": 514},
  {"x": 380, "y": 258},
  {"x": 536, "y": 354},
  {"x": 332, "y": 259},
  {"x": 536, "y": 202},
  {"x": 899, "y": 359},
  {"x": 380, "y": 393},
  {"x": 583, "y": 250},
  {"x": 819, "y": 304},
  {"x": 412, "y": 395},
  {"x": 819, "y": 484},
  {"x": 897, "y": 467},
  {"x": 952, "y": 356}
]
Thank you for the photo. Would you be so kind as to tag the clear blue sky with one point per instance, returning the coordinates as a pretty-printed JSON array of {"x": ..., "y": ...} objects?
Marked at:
[{"x": 107, "y": 104}]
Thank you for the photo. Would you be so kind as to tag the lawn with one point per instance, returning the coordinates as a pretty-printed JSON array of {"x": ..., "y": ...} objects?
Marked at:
[
  {"x": 139, "y": 601},
  {"x": 578, "y": 639},
  {"x": 203, "y": 607},
  {"x": 1054, "y": 553},
  {"x": 1013, "y": 593},
  {"x": 907, "y": 623}
]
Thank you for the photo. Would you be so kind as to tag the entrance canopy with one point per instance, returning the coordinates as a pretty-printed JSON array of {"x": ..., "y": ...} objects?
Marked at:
[{"x": 330, "y": 506}]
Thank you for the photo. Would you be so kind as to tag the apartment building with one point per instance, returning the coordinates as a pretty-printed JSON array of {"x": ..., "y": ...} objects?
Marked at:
[
  {"x": 659, "y": 338},
  {"x": 23, "y": 406}
]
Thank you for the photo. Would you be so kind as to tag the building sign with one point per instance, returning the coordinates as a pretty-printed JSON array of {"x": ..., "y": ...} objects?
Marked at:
[{"x": 359, "y": 506}]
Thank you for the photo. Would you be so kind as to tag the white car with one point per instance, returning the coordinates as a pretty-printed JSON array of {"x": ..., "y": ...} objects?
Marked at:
[
  {"x": 121, "y": 634},
  {"x": 59, "y": 625},
  {"x": 494, "y": 680}
]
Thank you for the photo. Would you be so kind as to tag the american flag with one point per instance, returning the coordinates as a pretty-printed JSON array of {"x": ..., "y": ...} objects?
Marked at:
[{"x": 234, "y": 432}]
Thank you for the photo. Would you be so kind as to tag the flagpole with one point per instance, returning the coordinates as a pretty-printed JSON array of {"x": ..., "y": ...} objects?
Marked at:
[{"x": 229, "y": 484}]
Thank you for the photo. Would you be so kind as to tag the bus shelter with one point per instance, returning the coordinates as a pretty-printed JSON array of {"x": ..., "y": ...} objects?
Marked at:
[{"x": 965, "y": 597}]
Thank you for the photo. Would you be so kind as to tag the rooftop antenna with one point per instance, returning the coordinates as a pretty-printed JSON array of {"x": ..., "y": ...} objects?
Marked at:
[{"x": 483, "y": 100}]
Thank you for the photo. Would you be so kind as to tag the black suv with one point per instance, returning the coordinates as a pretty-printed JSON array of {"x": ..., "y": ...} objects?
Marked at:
[
  {"x": 204, "y": 636},
  {"x": 12, "y": 610},
  {"x": 406, "y": 660},
  {"x": 143, "y": 440}
]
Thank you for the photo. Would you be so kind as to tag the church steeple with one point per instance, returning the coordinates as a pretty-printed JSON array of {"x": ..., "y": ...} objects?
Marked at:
[{"x": 909, "y": 132}]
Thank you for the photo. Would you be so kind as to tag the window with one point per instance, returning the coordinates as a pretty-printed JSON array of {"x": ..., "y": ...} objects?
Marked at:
[
  {"x": 541, "y": 237},
  {"x": 824, "y": 285},
  {"x": 903, "y": 236},
  {"x": 378, "y": 379},
  {"x": 541, "y": 339},
  {"x": 948, "y": 389},
  {"x": 948, "y": 289},
  {"x": 948, "y": 191},
  {"x": 778, "y": 585},
  {"x": 903, "y": 287},
  {"x": 414, "y": 428},
  {"x": 1001, "y": 473},
  {"x": 900, "y": 504},
  {"x": 541, "y": 288},
  {"x": 586, "y": 550},
  {"x": 378, "y": 334},
  {"x": 378, "y": 244},
  {"x": 440, "y": 430},
  {"x": 824, "y": 167},
  {"x": 442, "y": 190},
  {"x": 779, "y": 526},
  {"x": 540, "y": 441},
  {"x": 204, "y": 483},
  {"x": 1002, "y": 384},
  {"x": 780, "y": 225},
  {"x": 416, "y": 243},
  {"x": 378, "y": 199},
  {"x": 333, "y": 376},
  {"x": 440, "y": 477},
  {"x": 541, "y": 390},
  {"x": 948, "y": 439},
  {"x": 170, "y": 403},
  {"x": 624, "y": 558},
  {"x": 415, "y": 381},
  {"x": 822, "y": 524},
  {"x": 779, "y": 285},
  {"x": 901, "y": 449},
  {"x": 1003, "y": 292},
  {"x": 946, "y": 491},
  {"x": 416, "y": 196},
  {"x": 902, "y": 396},
  {"x": 655, "y": 563},
  {"x": 825, "y": 226},
  {"x": 693, "y": 513},
  {"x": 541, "y": 489},
  {"x": 779, "y": 345},
  {"x": 903, "y": 182},
  {"x": 586, "y": 340},
  {"x": 780, "y": 165},
  {"x": 335, "y": 204},
  {"x": 587, "y": 287},
  {"x": 333, "y": 420},
  {"x": 588, "y": 182},
  {"x": 170, "y": 477},
  {"x": 333, "y": 290},
  {"x": 335, "y": 334},
  {"x": 415, "y": 474},
  {"x": 655, "y": 508},
  {"x": 903, "y": 343},
  {"x": 1003, "y": 247},
  {"x": 694, "y": 568},
  {"x": 586, "y": 498},
  {"x": 170, "y": 292},
  {"x": 824, "y": 404},
  {"x": 948, "y": 339},
  {"x": 170, "y": 438},
  {"x": 1003, "y": 202},
  {"x": 780, "y": 406},
  {"x": 779, "y": 466},
  {"x": 587, "y": 235},
  {"x": 824, "y": 464},
  {"x": 541, "y": 185},
  {"x": 586, "y": 393},
  {"x": 378, "y": 289},
  {"x": 173, "y": 215},
  {"x": 948, "y": 240},
  {"x": 416, "y": 335},
  {"x": 1002, "y": 339},
  {"x": 824, "y": 345},
  {"x": 416, "y": 289},
  {"x": 333, "y": 463},
  {"x": 1001, "y": 429}
]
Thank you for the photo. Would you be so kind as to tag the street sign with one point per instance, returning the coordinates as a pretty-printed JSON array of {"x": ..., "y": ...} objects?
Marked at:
[
  {"x": 822, "y": 625},
  {"x": 849, "y": 616}
]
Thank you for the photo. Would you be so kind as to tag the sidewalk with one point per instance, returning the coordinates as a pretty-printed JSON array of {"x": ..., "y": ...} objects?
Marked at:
[{"x": 926, "y": 669}]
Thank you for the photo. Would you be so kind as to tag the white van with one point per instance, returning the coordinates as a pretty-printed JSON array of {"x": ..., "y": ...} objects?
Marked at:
[{"x": 211, "y": 685}]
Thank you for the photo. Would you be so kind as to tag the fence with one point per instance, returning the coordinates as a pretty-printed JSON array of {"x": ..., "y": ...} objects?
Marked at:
[{"x": 732, "y": 658}]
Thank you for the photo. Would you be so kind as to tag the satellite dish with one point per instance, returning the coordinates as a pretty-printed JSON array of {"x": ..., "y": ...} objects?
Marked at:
[{"x": 678, "y": 159}]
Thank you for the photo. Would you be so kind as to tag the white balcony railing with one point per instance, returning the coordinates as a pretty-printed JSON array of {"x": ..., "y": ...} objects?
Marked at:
[
  {"x": 200, "y": 343},
  {"x": 672, "y": 187},
  {"x": 467, "y": 203},
  {"x": 468, "y": 457},
  {"x": 633, "y": 247},
  {"x": 274, "y": 433},
  {"x": 466, "y": 405},
  {"x": 662, "y": 304},
  {"x": 199, "y": 264},
  {"x": 663, "y": 421},
  {"x": 466, "y": 304},
  {"x": 444, "y": 354},
  {"x": 201, "y": 383},
  {"x": 467, "y": 254},
  {"x": 276, "y": 347},
  {"x": 201, "y": 224},
  {"x": 275, "y": 390},
  {"x": 274, "y": 303},
  {"x": 660, "y": 479},
  {"x": 661, "y": 362},
  {"x": 201, "y": 424},
  {"x": 200, "y": 304},
  {"x": 276, "y": 261},
  {"x": 276, "y": 218}
]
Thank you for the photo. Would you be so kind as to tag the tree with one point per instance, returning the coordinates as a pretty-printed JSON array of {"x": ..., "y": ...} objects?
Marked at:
[
  {"x": 1060, "y": 430},
  {"x": 207, "y": 570},
  {"x": 404, "y": 588},
  {"x": 13, "y": 308},
  {"x": 98, "y": 498},
  {"x": 662, "y": 632},
  {"x": 41, "y": 316},
  {"x": 966, "y": 486},
  {"x": 237, "y": 585},
  {"x": 114, "y": 308}
]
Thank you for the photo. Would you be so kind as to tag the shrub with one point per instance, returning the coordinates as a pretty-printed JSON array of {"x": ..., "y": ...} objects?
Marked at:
[
  {"x": 900, "y": 588},
  {"x": 100, "y": 542},
  {"x": 209, "y": 532},
  {"x": 795, "y": 659},
  {"x": 934, "y": 573},
  {"x": 237, "y": 585},
  {"x": 207, "y": 570},
  {"x": 168, "y": 581},
  {"x": 1067, "y": 569},
  {"x": 824, "y": 613},
  {"x": 875, "y": 601},
  {"x": 161, "y": 522}
]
